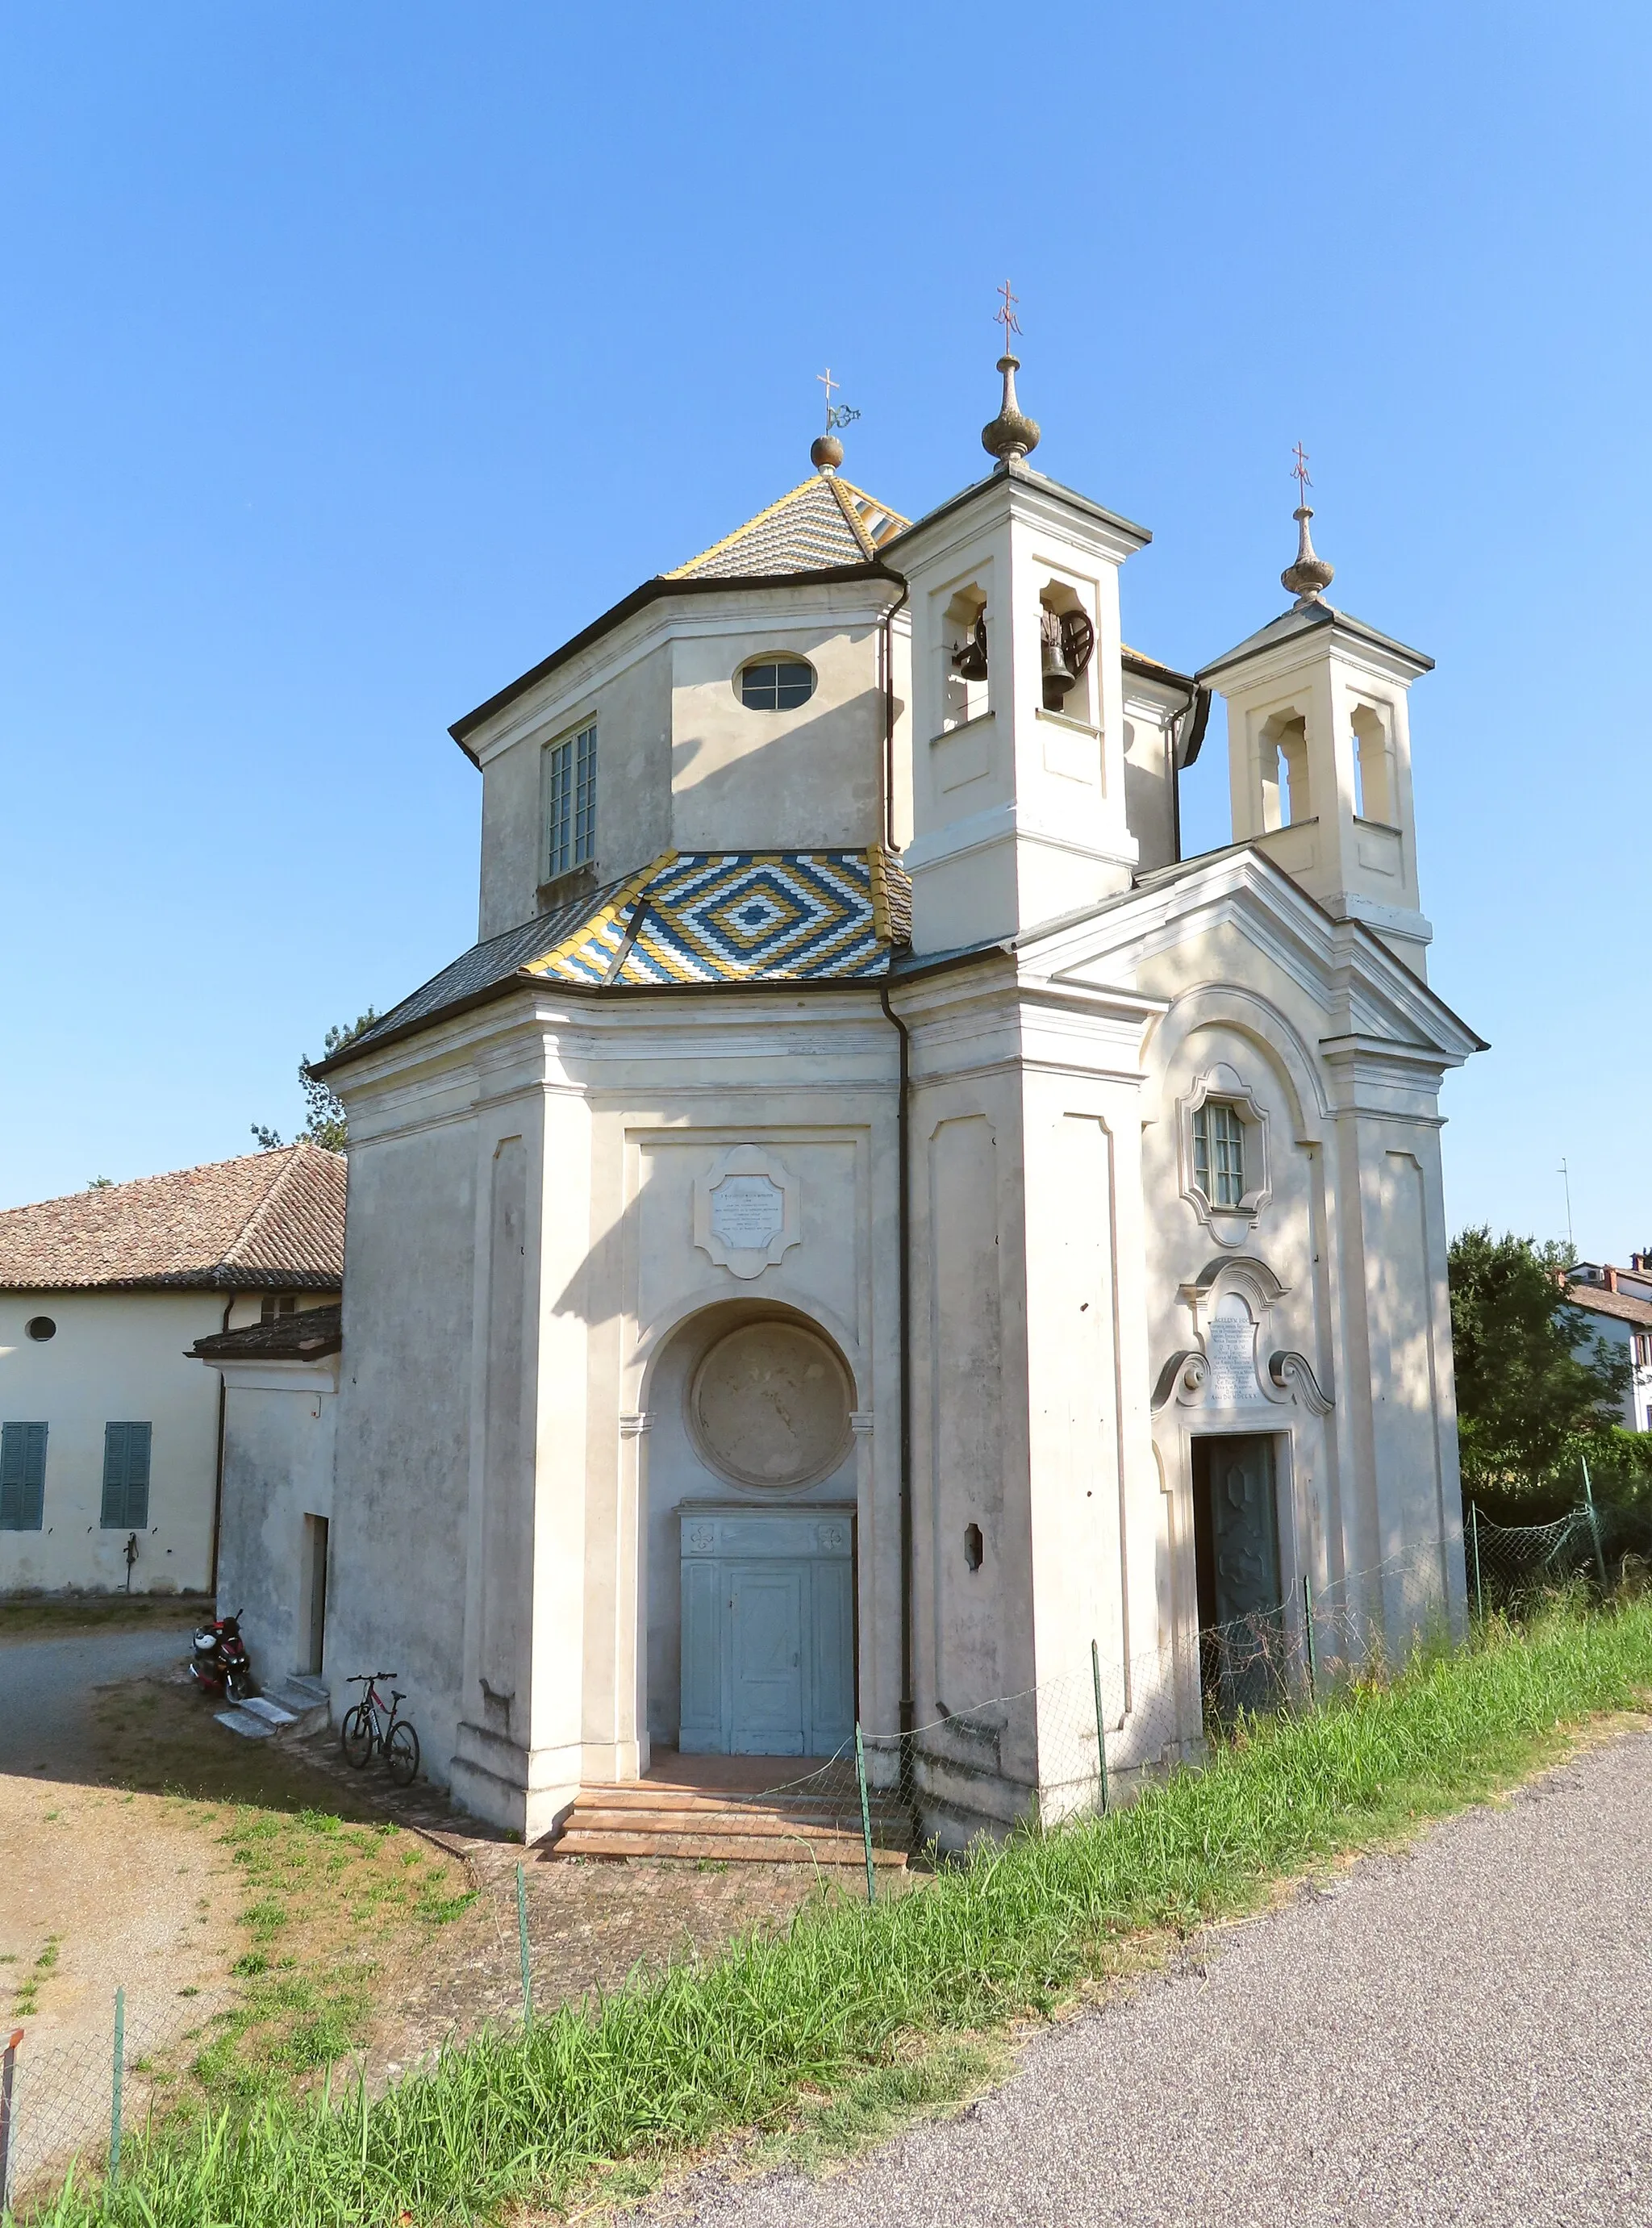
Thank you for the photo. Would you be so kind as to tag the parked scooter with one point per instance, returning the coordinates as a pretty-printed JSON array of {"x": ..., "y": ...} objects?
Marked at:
[{"x": 219, "y": 1663}]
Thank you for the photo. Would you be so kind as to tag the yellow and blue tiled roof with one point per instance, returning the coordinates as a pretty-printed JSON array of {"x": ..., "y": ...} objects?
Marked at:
[
  {"x": 821, "y": 522},
  {"x": 734, "y": 916},
  {"x": 696, "y": 918}
]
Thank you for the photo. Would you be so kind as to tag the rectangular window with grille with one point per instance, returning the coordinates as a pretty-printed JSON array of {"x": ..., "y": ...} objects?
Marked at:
[
  {"x": 1218, "y": 1153},
  {"x": 126, "y": 1477},
  {"x": 22, "y": 1476},
  {"x": 570, "y": 802}
]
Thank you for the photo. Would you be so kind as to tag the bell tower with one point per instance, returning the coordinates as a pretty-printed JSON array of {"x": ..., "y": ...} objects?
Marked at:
[
  {"x": 1018, "y": 727},
  {"x": 1319, "y": 754}
]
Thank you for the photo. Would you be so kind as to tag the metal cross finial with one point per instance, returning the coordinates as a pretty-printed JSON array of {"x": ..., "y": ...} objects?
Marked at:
[
  {"x": 1299, "y": 469},
  {"x": 826, "y": 379},
  {"x": 1006, "y": 316}
]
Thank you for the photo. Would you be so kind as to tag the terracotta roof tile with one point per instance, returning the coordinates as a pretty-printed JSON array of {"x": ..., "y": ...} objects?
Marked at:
[
  {"x": 266, "y": 1220},
  {"x": 1601, "y": 1303},
  {"x": 304, "y": 1336}
]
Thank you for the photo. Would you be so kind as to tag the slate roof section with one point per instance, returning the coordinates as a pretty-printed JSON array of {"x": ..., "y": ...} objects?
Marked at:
[
  {"x": 268, "y": 1222},
  {"x": 307, "y": 1335},
  {"x": 822, "y": 522},
  {"x": 692, "y": 918}
]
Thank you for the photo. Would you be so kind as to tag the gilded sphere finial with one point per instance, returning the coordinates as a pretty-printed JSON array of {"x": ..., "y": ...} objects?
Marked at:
[
  {"x": 1012, "y": 434},
  {"x": 1310, "y": 577},
  {"x": 826, "y": 452}
]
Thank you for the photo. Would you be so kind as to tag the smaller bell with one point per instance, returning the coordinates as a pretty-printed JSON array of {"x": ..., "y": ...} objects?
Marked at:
[
  {"x": 969, "y": 657},
  {"x": 1058, "y": 675}
]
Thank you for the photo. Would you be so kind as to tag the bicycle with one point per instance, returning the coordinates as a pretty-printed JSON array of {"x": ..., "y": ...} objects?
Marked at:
[{"x": 366, "y": 1730}]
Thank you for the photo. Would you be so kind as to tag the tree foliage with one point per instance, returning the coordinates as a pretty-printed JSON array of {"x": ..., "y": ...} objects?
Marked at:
[
  {"x": 1535, "y": 1386},
  {"x": 324, "y": 1122}
]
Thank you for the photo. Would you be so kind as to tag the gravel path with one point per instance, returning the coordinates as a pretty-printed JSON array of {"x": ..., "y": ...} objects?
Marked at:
[
  {"x": 1462, "y": 2034},
  {"x": 46, "y": 1684}
]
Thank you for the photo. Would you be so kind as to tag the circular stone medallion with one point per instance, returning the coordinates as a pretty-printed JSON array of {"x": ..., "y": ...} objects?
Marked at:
[{"x": 770, "y": 1405}]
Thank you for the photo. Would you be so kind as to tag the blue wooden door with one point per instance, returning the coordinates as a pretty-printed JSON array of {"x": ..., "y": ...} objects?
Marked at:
[
  {"x": 767, "y": 1635},
  {"x": 831, "y": 1686}
]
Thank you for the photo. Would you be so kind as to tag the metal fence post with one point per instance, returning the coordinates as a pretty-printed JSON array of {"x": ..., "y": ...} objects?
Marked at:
[
  {"x": 1308, "y": 1627},
  {"x": 1101, "y": 1724},
  {"x": 1594, "y": 1522},
  {"x": 865, "y": 1814},
  {"x": 8, "y": 2068},
  {"x": 521, "y": 1932},
  {"x": 114, "y": 2098},
  {"x": 1474, "y": 1535}
]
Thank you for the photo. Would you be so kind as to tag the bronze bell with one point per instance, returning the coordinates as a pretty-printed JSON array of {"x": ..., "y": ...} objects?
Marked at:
[
  {"x": 1058, "y": 675},
  {"x": 969, "y": 657}
]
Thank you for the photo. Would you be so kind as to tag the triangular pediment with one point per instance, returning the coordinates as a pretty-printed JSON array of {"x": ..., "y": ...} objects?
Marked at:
[{"x": 1361, "y": 990}]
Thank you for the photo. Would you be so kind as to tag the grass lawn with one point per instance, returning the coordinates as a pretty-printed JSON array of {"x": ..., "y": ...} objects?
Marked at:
[
  {"x": 869, "y": 2010},
  {"x": 331, "y": 1906},
  {"x": 39, "y": 1617}
]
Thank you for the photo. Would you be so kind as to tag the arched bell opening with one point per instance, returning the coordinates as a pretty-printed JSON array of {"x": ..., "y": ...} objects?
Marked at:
[{"x": 750, "y": 1531}]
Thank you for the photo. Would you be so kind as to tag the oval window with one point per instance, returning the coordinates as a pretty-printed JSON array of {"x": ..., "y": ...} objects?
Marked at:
[
  {"x": 778, "y": 684},
  {"x": 39, "y": 1327}
]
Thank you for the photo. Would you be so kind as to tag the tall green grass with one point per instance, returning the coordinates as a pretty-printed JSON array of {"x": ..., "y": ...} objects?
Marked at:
[{"x": 674, "y": 2060}]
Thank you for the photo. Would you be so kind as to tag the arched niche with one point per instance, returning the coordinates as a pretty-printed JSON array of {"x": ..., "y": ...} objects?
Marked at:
[{"x": 750, "y": 1404}]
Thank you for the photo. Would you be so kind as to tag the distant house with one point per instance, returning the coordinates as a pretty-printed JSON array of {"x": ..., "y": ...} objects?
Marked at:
[
  {"x": 1618, "y": 1302},
  {"x": 111, "y": 1435}
]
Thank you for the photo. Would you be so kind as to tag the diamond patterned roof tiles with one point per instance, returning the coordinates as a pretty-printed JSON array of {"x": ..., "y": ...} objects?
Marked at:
[{"x": 695, "y": 918}]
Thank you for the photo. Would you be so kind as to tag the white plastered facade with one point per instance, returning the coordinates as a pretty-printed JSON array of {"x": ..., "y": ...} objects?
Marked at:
[{"x": 535, "y": 1283}]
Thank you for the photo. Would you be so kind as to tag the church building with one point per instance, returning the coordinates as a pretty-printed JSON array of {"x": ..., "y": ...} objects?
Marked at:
[{"x": 868, "y": 1219}]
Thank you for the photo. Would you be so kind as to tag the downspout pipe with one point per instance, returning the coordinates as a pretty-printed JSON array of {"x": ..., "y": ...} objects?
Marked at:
[
  {"x": 903, "y": 1222},
  {"x": 1196, "y": 711},
  {"x": 903, "y": 1194},
  {"x": 218, "y": 1478}
]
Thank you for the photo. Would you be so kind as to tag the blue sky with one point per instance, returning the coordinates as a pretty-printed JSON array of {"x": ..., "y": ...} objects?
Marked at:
[{"x": 352, "y": 358}]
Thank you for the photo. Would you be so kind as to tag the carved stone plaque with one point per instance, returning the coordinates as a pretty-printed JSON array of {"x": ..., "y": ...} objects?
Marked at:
[
  {"x": 1230, "y": 1348},
  {"x": 747, "y": 1213}
]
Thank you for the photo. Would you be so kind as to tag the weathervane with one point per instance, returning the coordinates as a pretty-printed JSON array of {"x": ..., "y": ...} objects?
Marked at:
[
  {"x": 839, "y": 413},
  {"x": 826, "y": 453},
  {"x": 1299, "y": 469},
  {"x": 1006, "y": 316}
]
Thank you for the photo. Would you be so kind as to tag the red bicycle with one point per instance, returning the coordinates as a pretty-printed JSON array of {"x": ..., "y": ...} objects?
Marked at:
[{"x": 368, "y": 1730}]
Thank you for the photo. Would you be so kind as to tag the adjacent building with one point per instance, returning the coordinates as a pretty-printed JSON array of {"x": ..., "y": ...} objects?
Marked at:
[
  {"x": 1618, "y": 1303},
  {"x": 111, "y": 1436}
]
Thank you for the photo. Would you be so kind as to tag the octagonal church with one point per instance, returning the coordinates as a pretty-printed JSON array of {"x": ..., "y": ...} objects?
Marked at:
[{"x": 870, "y": 1218}]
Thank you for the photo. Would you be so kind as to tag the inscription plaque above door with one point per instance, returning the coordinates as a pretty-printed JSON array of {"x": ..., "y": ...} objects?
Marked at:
[{"x": 748, "y": 1211}]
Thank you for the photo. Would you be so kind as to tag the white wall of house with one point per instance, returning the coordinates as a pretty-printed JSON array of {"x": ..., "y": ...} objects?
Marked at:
[{"x": 116, "y": 1357}]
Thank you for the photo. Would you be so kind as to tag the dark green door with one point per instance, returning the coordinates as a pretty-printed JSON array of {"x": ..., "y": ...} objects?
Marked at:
[{"x": 1236, "y": 1543}]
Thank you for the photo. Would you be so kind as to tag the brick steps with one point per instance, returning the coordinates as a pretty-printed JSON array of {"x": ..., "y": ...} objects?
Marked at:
[{"x": 647, "y": 1819}]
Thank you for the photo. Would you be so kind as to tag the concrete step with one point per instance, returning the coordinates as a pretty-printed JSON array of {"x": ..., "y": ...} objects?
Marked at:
[
  {"x": 305, "y": 1701},
  {"x": 752, "y": 1825},
  {"x": 724, "y": 1848},
  {"x": 649, "y": 1818}
]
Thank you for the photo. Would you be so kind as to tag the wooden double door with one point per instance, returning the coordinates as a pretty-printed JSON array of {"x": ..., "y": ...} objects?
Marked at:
[{"x": 768, "y": 1631}]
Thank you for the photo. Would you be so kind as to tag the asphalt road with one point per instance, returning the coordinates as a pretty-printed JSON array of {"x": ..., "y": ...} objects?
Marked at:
[
  {"x": 1462, "y": 2034},
  {"x": 46, "y": 1688}
]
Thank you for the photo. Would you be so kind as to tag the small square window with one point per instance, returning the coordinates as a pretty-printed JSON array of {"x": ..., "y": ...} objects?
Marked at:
[{"x": 1219, "y": 1152}]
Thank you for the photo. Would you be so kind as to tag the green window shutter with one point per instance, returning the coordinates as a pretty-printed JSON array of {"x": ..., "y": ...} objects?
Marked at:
[
  {"x": 138, "y": 1437},
  {"x": 126, "y": 1477},
  {"x": 114, "y": 1476},
  {"x": 22, "y": 1476}
]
